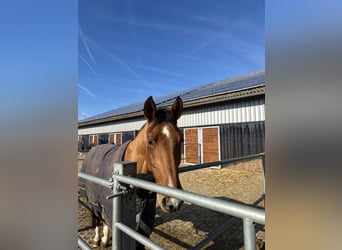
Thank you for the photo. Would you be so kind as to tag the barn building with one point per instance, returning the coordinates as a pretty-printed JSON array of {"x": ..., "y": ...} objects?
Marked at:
[{"x": 220, "y": 120}]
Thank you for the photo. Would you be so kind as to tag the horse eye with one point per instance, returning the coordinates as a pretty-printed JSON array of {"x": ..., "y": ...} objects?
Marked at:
[{"x": 150, "y": 141}]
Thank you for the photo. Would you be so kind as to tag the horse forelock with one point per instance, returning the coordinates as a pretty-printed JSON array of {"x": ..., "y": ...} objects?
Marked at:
[{"x": 162, "y": 115}]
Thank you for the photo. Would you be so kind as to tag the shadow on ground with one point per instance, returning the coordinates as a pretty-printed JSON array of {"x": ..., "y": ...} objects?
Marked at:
[{"x": 192, "y": 223}]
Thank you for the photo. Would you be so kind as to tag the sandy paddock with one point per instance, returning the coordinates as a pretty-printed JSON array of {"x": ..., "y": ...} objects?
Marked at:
[{"x": 242, "y": 182}]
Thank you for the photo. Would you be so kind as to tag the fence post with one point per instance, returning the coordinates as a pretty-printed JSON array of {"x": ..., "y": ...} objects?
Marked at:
[
  {"x": 249, "y": 234},
  {"x": 263, "y": 171},
  {"x": 124, "y": 209}
]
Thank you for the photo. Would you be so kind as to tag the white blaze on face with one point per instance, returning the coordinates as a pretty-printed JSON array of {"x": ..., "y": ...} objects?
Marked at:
[{"x": 166, "y": 131}]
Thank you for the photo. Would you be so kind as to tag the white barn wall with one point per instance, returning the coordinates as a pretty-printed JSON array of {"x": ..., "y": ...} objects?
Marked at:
[
  {"x": 247, "y": 111},
  {"x": 223, "y": 113},
  {"x": 130, "y": 125}
]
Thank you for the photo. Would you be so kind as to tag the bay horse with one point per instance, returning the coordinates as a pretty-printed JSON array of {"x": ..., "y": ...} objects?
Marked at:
[{"x": 156, "y": 149}]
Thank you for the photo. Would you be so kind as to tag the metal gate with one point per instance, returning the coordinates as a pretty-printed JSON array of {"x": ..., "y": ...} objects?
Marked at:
[{"x": 124, "y": 234}]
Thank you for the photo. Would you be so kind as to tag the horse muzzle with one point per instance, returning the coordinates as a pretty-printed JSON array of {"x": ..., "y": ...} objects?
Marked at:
[{"x": 169, "y": 204}]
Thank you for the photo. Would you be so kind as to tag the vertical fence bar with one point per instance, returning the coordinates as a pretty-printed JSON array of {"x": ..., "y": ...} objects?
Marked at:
[
  {"x": 249, "y": 234},
  {"x": 223, "y": 228},
  {"x": 263, "y": 172},
  {"x": 124, "y": 209},
  {"x": 116, "y": 214}
]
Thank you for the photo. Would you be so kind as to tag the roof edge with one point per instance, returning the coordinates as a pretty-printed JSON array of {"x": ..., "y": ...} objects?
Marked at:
[{"x": 248, "y": 92}]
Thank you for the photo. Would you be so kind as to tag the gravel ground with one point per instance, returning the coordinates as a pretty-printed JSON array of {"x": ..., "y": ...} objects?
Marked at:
[{"x": 241, "y": 182}]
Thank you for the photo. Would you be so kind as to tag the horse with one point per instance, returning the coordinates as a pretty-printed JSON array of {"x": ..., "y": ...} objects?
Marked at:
[{"x": 156, "y": 150}]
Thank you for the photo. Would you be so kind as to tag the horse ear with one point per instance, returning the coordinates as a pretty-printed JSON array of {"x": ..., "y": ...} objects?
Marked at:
[
  {"x": 177, "y": 108},
  {"x": 149, "y": 109}
]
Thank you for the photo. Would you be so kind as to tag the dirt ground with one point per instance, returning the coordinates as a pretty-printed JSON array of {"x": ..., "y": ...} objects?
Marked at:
[{"x": 242, "y": 182}]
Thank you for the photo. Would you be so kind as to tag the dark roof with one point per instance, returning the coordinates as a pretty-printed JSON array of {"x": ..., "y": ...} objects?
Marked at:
[{"x": 228, "y": 86}]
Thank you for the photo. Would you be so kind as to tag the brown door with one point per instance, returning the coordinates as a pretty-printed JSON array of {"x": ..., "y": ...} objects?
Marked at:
[
  {"x": 96, "y": 139},
  {"x": 210, "y": 144},
  {"x": 191, "y": 148},
  {"x": 118, "y": 139},
  {"x": 111, "y": 138}
]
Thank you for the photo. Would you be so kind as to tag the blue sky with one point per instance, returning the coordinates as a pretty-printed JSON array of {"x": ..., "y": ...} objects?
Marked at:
[{"x": 131, "y": 49}]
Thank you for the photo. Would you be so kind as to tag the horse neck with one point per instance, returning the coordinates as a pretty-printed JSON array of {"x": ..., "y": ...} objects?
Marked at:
[{"x": 136, "y": 151}]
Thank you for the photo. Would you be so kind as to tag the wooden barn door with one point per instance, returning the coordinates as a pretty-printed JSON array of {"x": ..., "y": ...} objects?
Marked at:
[
  {"x": 201, "y": 145},
  {"x": 115, "y": 138},
  {"x": 191, "y": 148},
  {"x": 93, "y": 139},
  {"x": 118, "y": 138},
  {"x": 111, "y": 138},
  {"x": 210, "y": 144}
]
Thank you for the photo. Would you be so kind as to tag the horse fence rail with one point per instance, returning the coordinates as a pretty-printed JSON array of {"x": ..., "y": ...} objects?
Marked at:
[
  {"x": 215, "y": 163},
  {"x": 82, "y": 244},
  {"x": 224, "y": 227},
  {"x": 218, "y": 205},
  {"x": 123, "y": 228},
  {"x": 138, "y": 237},
  {"x": 97, "y": 180}
]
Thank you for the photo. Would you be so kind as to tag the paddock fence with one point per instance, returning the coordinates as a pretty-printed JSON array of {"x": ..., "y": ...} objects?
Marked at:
[{"x": 124, "y": 182}]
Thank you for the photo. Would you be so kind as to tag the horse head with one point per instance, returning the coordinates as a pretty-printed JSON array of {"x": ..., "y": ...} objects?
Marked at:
[
  {"x": 164, "y": 148},
  {"x": 158, "y": 149}
]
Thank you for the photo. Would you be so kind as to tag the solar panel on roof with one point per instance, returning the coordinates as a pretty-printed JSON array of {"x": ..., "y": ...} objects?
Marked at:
[
  {"x": 225, "y": 86},
  {"x": 250, "y": 80}
]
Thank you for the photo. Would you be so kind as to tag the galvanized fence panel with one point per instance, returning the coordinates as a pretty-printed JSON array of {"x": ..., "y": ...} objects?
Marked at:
[
  {"x": 124, "y": 207},
  {"x": 223, "y": 206},
  {"x": 248, "y": 214}
]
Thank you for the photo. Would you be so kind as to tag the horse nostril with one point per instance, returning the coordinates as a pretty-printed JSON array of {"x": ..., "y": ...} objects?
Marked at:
[
  {"x": 164, "y": 201},
  {"x": 167, "y": 203},
  {"x": 170, "y": 204},
  {"x": 180, "y": 205}
]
